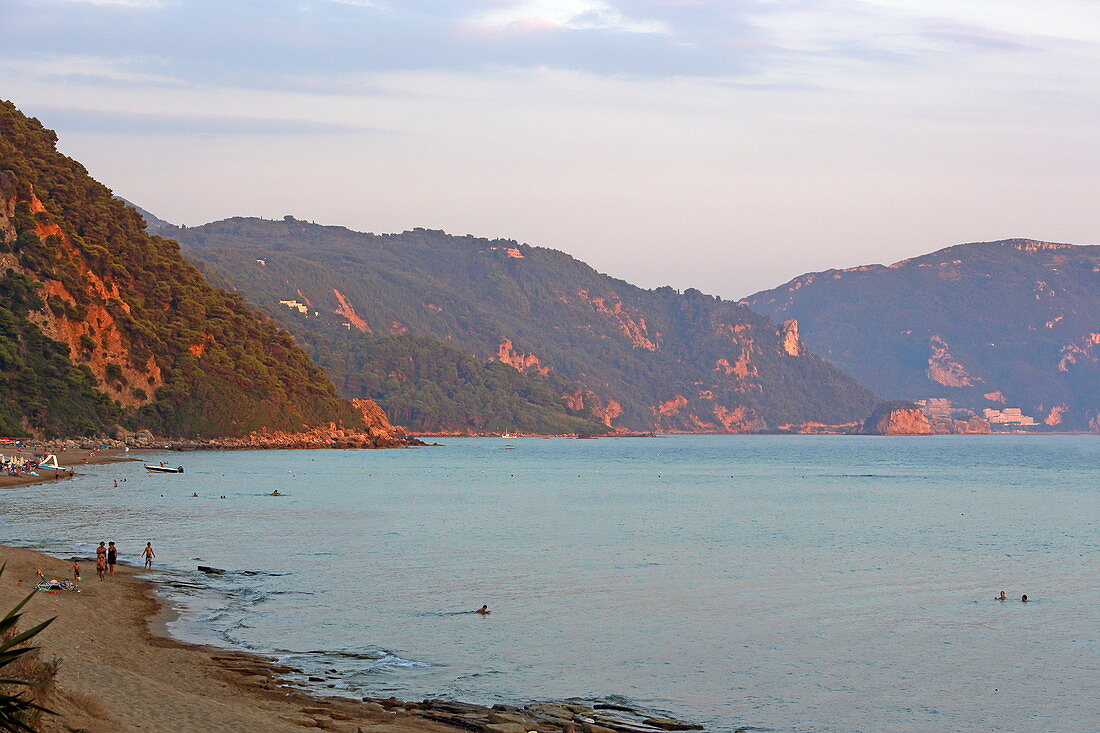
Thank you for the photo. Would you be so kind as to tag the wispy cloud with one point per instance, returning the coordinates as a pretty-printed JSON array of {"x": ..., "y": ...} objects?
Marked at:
[
  {"x": 687, "y": 130},
  {"x": 272, "y": 43},
  {"x": 571, "y": 14}
]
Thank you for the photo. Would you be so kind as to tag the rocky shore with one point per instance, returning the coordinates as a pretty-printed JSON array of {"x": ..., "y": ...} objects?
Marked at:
[{"x": 327, "y": 436}]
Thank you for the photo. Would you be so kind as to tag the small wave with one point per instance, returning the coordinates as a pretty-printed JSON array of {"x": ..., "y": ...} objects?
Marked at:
[
  {"x": 392, "y": 660},
  {"x": 377, "y": 659},
  {"x": 349, "y": 655}
]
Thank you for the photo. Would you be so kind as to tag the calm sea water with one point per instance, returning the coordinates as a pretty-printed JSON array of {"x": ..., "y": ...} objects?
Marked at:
[{"x": 786, "y": 583}]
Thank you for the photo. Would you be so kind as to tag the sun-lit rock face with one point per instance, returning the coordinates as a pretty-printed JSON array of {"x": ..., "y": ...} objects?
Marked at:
[
  {"x": 82, "y": 312},
  {"x": 345, "y": 309},
  {"x": 1056, "y": 415},
  {"x": 942, "y": 367},
  {"x": 791, "y": 342},
  {"x": 507, "y": 354},
  {"x": 629, "y": 321},
  {"x": 897, "y": 418}
]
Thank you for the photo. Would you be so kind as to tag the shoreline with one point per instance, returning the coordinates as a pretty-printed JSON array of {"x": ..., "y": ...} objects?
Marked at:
[
  {"x": 69, "y": 458},
  {"x": 122, "y": 670}
]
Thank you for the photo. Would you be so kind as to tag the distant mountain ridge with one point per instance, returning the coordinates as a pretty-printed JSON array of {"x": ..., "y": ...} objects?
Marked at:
[
  {"x": 987, "y": 325},
  {"x": 635, "y": 359},
  {"x": 102, "y": 323}
]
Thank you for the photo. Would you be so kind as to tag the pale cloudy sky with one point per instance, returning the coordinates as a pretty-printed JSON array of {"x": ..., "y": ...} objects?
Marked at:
[{"x": 727, "y": 145}]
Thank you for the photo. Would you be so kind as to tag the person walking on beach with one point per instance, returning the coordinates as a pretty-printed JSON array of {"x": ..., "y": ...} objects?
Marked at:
[
  {"x": 148, "y": 554},
  {"x": 112, "y": 558},
  {"x": 76, "y": 571},
  {"x": 100, "y": 566},
  {"x": 101, "y": 552}
]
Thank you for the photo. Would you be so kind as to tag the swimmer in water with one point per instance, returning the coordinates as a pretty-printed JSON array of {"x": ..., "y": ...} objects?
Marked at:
[
  {"x": 1023, "y": 598},
  {"x": 1001, "y": 597},
  {"x": 195, "y": 495},
  {"x": 484, "y": 610},
  {"x": 275, "y": 493}
]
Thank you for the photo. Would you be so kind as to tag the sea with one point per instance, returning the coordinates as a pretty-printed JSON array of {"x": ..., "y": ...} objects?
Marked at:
[{"x": 780, "y": 583}]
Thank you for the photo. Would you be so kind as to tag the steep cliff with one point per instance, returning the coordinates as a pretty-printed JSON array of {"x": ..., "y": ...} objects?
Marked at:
[
  {"x": 102, "y": 322},
  {"x": 1013, "y": 323},
  {"x": 635, "y": 359}
]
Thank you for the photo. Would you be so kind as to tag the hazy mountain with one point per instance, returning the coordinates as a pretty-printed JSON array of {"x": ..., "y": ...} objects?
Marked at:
[
  {"x": 989, "y": 324},
  {"x": 638, "y": 359},
  {"x": 153, "y": 223}
]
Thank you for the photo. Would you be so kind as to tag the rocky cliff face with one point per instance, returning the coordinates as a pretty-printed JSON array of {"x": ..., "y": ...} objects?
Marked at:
[
  {"x": 80, "y": 309},
  {"x": 635, "y": 359},
  {"x": 100, "y": 322},
  {"x": 897, "y": 418},
  {"x": 1013, "y": 323}
]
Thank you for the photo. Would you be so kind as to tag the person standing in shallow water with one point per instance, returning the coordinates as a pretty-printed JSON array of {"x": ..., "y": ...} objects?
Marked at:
[
  {"x": 112, "y": 558},
  {"x": 148, "y": 554}
]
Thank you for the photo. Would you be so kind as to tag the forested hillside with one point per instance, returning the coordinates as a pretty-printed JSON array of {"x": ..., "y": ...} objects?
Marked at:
[
  {"x": 986, "y": 325},
  {"x": 638, "y": 359},
  {"x": 101, "y": 322}
]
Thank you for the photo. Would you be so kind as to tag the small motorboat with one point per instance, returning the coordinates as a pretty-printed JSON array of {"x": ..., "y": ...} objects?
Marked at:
[{"x": 163, "y": 469}]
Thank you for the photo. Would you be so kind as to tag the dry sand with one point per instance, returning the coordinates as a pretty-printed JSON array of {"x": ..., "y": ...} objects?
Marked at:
[{"x": 117, "y": 675}]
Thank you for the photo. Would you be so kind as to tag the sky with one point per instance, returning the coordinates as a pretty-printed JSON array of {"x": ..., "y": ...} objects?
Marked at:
[{"x": 726, "y": 145}]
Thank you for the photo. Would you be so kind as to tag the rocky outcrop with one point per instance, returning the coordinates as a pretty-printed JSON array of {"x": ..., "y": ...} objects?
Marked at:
[
  {"x": 585, "y": 399},
  {"x": 671, "y": 406},
  {"x": 379, "y": 428},
  {"x": 1056, "y": 415},
  {"x": 345, "y": 309},
  {"x": 326, "y": 436},
  {"x": 791, "y": 342},
  {"x": 629, "y": 321},
  {"x": 943, "y": 368},
  {"x": 897, "y": 418},
  {"x": 507, "y": 354}
]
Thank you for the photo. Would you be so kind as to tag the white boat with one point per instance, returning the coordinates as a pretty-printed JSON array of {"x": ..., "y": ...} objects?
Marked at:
[{"x": 163, "y": 469}]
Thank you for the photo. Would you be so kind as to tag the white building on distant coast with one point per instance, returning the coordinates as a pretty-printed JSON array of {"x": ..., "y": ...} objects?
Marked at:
[
  {"x": 295, "y": 305},
  {"x": 1008, "y": 416}
]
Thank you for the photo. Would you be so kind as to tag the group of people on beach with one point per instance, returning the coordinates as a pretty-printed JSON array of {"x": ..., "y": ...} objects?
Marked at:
[
  {"x": 106, "y": 557},
  {"x": 18, "y": 466}
]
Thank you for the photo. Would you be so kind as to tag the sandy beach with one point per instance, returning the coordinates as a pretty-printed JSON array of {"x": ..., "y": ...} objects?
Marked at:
[
  {"x": 72, "y": 458},
  {"x": 117, "y": 675}
]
